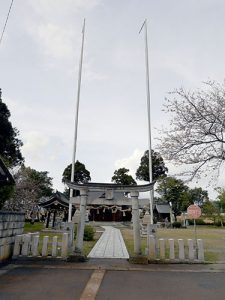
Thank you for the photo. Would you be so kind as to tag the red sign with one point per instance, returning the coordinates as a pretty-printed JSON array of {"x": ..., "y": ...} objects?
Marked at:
[{"x": 194, "y": 211}]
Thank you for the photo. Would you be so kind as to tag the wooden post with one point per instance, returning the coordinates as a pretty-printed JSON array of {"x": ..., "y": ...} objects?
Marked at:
[
  {"x": 54, "y": 216},
  {"x": 48, "y": 219}
]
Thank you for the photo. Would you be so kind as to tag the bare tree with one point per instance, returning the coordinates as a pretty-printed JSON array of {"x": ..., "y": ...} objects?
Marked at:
[
  {"x": 30, "y": 186},
  {"x": 196, "y": 134}
]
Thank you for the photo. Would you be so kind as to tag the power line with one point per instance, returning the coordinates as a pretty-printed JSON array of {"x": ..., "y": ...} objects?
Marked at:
[{"x": 6, "y": 21}]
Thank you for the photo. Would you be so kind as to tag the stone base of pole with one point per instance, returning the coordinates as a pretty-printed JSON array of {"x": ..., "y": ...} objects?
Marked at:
[
  {"x": 77, "y": 257},
  {"x": 139, "y": 259}
]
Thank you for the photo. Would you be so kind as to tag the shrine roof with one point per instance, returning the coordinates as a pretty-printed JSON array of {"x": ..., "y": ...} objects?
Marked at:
[
  {"x": 57, "y": 199},
  {"x": 163, "y": 208}
]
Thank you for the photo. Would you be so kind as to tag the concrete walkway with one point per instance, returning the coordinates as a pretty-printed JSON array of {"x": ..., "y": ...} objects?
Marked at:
[{"x": 110, "y": 245}]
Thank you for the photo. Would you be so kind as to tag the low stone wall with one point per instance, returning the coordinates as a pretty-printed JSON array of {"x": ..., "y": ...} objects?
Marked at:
[{"x": 11, "y": 224}]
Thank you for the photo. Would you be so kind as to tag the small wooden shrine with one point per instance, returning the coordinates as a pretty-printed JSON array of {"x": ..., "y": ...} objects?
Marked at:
[
  {"x": 57, "y": 204},
  {"x": 162, "y": 212}
]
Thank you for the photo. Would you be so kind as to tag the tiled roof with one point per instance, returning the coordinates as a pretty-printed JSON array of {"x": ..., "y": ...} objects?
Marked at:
[{"x": 163, "y": 208}]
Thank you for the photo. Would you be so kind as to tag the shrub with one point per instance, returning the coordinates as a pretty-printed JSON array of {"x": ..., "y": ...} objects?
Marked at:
[
  {"x": 89, "y": 233},
  {"x": 176, "y": 224},
  {"x": 209, "y": 223},
  {"x": 197, "y": 222},
  {"x": 218, "y": 223}
]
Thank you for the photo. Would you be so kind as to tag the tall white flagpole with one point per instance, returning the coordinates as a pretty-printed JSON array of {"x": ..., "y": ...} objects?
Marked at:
[
  {"x": 76, "y": 122},
  {"x": 149, "y": 117}
]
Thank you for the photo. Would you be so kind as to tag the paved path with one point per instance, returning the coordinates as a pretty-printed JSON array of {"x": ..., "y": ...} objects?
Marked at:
[{"x": 110, "y": 245}]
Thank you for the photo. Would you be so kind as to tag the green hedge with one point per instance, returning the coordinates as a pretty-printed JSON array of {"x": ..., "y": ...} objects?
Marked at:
[
  {"x": 202, "y": 222},
  {"x": 89, "y": 233},
  {"x": 197, "y": 222},
  {"x": 218, "y": 223},
  {"x": 176, "y": 224}
]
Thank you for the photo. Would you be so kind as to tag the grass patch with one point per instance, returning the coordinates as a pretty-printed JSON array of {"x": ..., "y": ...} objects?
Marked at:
[
  {"x": 213, "y": 239},
  {"x": 210, "y": 256},
  {"x": 88, "y": 245},
  {"x": 128, "y": 239},
  {"x": 37, "y": 226}
]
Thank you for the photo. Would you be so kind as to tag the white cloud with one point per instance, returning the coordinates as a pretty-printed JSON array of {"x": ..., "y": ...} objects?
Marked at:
[
  {"x": 59, "y": 7},
  {"x": 174, "y": 62},
  {"x": 16, "y": 107},
  {"x": 55, "y": 26},
  {"x": 55, "y": 41},
  {"x": 91, "y": 75},
  {"x": 34, "y": 143},
  {"x": 132, "y": 162},
  {"x": 58, "y": 42},
  {"x": 53, "y": 157}
]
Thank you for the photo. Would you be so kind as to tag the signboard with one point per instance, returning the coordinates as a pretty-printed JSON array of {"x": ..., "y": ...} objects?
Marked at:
[{"x": 194, "y": 211}]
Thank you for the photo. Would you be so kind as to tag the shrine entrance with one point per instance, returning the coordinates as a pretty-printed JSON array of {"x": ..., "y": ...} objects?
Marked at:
[{"x": 110, "y": 200}]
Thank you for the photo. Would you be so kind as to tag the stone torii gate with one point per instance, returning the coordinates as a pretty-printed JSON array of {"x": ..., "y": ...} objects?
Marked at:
[{"x": 109, "y": 189}]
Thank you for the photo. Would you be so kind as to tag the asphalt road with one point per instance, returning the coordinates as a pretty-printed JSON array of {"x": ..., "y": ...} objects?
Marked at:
[
  {"x": 162, "y": 286},
  {"x": 40, "y": 284},
  {"x": 68, "y": 282}
]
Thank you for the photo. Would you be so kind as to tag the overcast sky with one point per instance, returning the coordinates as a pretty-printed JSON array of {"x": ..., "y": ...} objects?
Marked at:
[{"x": 39, "y": 59}]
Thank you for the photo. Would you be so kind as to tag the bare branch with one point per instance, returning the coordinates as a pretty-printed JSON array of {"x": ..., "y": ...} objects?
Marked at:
[{"x": 196, "y": 134}]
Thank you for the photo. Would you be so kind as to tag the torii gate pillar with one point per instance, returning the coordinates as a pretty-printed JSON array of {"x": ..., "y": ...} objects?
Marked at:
[{"x": 136, "y": 222}]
